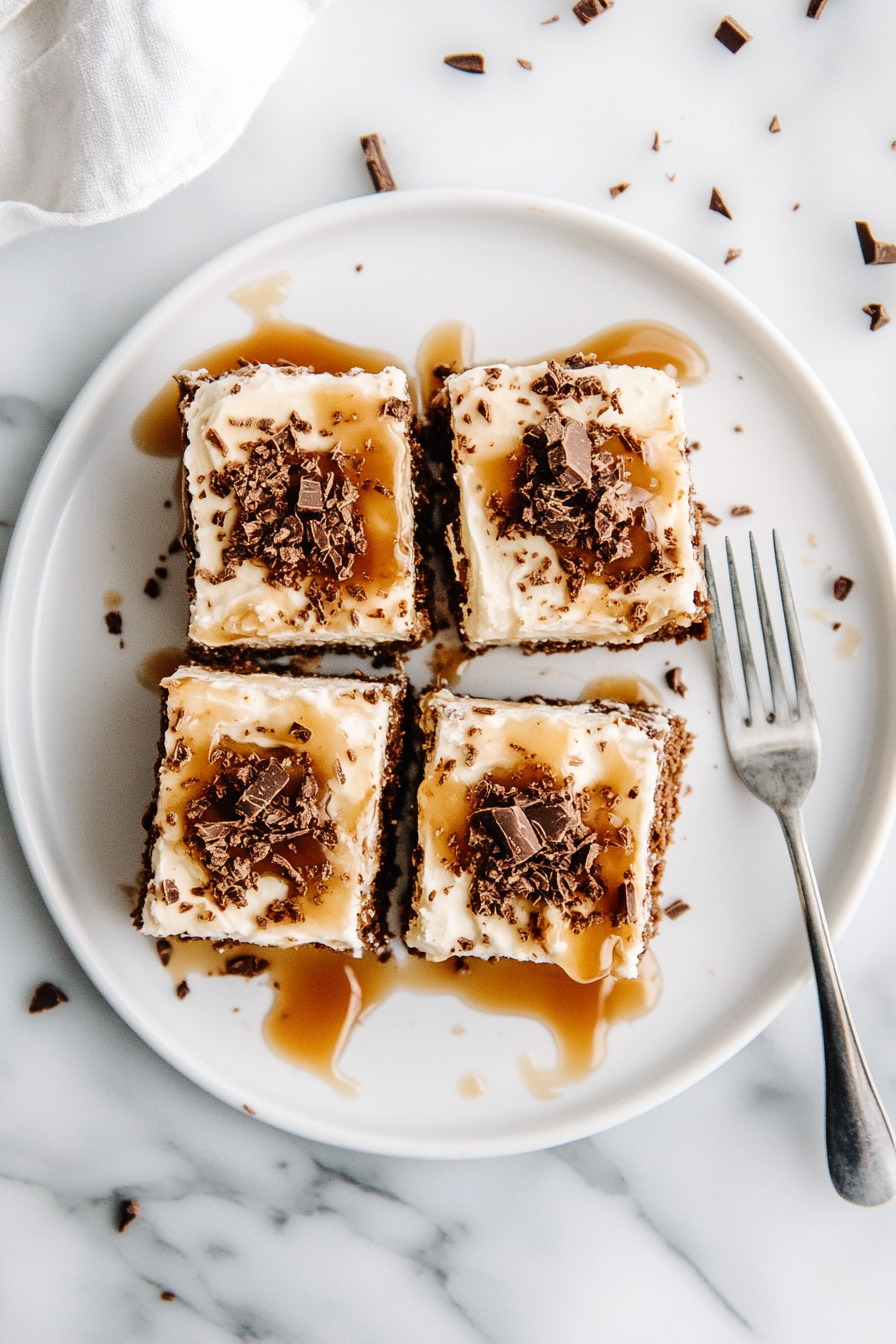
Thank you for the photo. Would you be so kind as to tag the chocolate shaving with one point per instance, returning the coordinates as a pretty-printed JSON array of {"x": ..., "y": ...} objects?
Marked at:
[
  {"x": 676, "y": 909},
  {"x": 46, "y": 996},
  {"x": 527, "y": 65},
  {"x": 878, "y": 314},
  {"x": 716, "y": 203},
  {"x": 843, "y": 587},
  {"x": 128, "y": 1211},
  {"x": 377, "y": 165},
  {"x": 471, "y": 61},
  {"x": 182, "y": 989},
  {"x": 774, "y": 125},
  {"x": 741, "y": 510},
  {"x": 815, "y": 8},
  {"x": 732, "y": 35},
  {"x": 733, "y": 254},
  {"x": 675, "y": 683},
  {"x": 586, "y": 10},
  {"x": 873, "y": 252},
  {"x": 619, "y": 188},
  {"x": 246, "y": 965},
  {"x": 163, "y": 948}
]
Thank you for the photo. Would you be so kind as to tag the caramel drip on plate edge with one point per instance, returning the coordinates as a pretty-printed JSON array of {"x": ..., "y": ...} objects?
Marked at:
[{"x": 320, "y": 996}]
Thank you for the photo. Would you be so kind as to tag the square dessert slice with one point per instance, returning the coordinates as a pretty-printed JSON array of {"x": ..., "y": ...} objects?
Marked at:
[
  {"x": 575, "y": 518},
  {"x": 268, "y": 821},
  {"x": 542, "y": 830},
  {"x": 299, "y": 499}
]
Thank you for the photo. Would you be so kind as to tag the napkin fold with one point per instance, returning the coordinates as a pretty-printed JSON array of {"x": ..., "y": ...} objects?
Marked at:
[{"x": 106, "y": 105}]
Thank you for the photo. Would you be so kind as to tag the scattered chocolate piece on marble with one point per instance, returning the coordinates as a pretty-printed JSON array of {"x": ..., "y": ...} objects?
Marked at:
[
  {"x": 873, "y": 252},
  {"x": 878, "y": 314},
  {"x": 152, "y": 587},
  {"x": 527, "y": 65},
  {"x": 113, "y": 622},
  {"x": 713, "y": 519},
  {"x": 676, "y": 909},
  {"x": 675, "y": 683},
  {"x": 671, "y": 176},
  {"x": 815, "y": 8},
  {"x": 586, "y": 10},
  {"x": 741, "y": 510},
  {"x": 619, "y": 188},
  {"x": 656, "y": 142},
  {"x": 843, "y": 587},
  {"x": 732, "y": 35},
  {"x": 838, "y": 625},
  {"x": 46, "y": 996},
  {"x": 555, "y": 18},
  {"x": 249, "y": 1110},
  {"x": 128, "y": 1211},
  {"x": 168, "y": 1296},
  {"x": 716, "y": 203},
  {"x": 182, "y": 990},
  {"x": 738, "y": 429},
  {"x": 797, "y": 206},
  {"x": 733, "y": 254},
  {"x": 694, "y": 445},
  {"x": 377, "y": 165},
  {"x": 774, "y": 125},
  {"x": 473, "y": 62}
]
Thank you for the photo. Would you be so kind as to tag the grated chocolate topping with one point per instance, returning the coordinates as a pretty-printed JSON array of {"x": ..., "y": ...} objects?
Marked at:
[{"x": 260, "y": 815}]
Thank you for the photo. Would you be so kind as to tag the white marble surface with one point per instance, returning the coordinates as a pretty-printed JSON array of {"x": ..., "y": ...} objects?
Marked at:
[{"x": 710, "y": 1218}]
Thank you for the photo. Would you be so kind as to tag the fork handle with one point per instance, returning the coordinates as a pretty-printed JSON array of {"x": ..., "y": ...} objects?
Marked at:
[{"x": 860, "y": 1141}]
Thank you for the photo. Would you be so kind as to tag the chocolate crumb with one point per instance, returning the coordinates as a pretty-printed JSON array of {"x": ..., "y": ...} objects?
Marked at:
[
  {"x": 711, "y": 518},
  {"x": 656, "y": 141},
  {"x": 360, "y": 266},
  {"x": 247, "y": 965},
  {"x": 127, "y": 1212},
  {"x": 797, "y": 206},
  {"x": 553, "y": 19},
  {"x": 152, "y": 587},
  {"x": 675, "y": 683},
  {"x": 716, "y": 203},
  {"x": 837, "y": 625},
  {"x": 46, "y": 996},
  {"x": 249, "y": 1110},
  {"x": 843, "y": 587},
  {"x": 619, "y": 188},
  {"x": 732, "y": 35},
  {"x": 113, "y": 622},
  {"x": 873, "y": 252},
  {"x": 815, "y": 8},
  {"x": 377, "y": 165},
  {"x": 167, "y": 1296},
  {"x": 182, "y": 990},
  {"x": 473, "y": 62},
  {"x": 738, "y": 429},
  {"x": 774, "y": 125},
  {"x": 733, "y": 254},
  {"x": 163, "y": 948},
  {"x": 741, "y": 510},
  {"x": 878, "y": 314},
  {"x": 527, "y": 65},
  {"x": 676, "y": 909},
  {"x": 586, "y": 10},
  {"x": 300, "y": 732}
]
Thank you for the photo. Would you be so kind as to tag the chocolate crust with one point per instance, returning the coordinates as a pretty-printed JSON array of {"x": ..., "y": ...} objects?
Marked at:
[
  {"x": 189, "y": 381},
  {"x": 373, "y": 916}
]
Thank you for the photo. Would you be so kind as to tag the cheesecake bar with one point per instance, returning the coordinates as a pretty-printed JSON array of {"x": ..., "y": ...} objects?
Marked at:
[
  {"x": 542, "y": 831},
  {"x": 268, "y": 821},
  {"x": 299, "y": 501},
  {"x": 574, "y": 515}
]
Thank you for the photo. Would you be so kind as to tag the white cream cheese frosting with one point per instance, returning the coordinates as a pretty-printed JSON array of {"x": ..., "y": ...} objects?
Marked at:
[
  {"x": 516, "y": 590},
  {"x": 350, "y": 722},
  {"x": 225, "y": 415}
]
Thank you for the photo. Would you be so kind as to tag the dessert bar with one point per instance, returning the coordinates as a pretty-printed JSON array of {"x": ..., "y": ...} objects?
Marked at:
[{"x": 542, "y": 830}]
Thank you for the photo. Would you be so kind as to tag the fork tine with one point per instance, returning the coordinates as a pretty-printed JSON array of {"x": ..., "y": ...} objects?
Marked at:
[
  {"x": 751, "y": 677},
  {"x": 731, "y": 715},
  {"x": 780, "y": 703},
  {"x": 804, "y": 701}
]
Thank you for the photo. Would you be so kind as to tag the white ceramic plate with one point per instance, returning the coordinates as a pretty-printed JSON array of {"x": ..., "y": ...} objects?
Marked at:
[{"x": 80, "y": 732}]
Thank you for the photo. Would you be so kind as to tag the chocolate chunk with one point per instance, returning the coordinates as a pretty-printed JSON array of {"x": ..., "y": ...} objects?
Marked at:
[
  {"x": 716, "y": 203},
  {"x": 815, "y": 8},
  {"x": 246, "y": 965},
  {"x": 878, "y": 314},
  {"x": 113, "y": 622},
  {"x": 774, "y": 125},
  {"x": 731, "y": 34},
  {"x": 843, "y": 587},
  {"x": 151, "y": 587},
  {"x": 300, "y": 732},
  {"x": 163, "y": 948},
  {"x": 512, "y": 828},
  {"x": 873, "y": 252},
  {"x": 586, "y": 10},
  {"x": 377, "y": 164},
  {"x": 676, "y": 909},
  {"x": 675, "y": 683},
  {"x": 310, "y": 498},
  {"x": 263, "y": 789},
  {"x": 182, "y": 990},
  {"x": 570, "y": 457},
  {"x": 550, "y": 819},
  {"x": 471, "y": 61},
  {"x": 733, "y": 254},
  {"x": 46, "y": 996},
  {"x": 127, "y": 1212},
  {"x": 740, "y": 511},
  {"x": 627, "y": 897},
  {"x": 619, "y": 188}
]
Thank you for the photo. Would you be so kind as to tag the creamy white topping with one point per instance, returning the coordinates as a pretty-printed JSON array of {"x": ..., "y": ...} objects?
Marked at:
[
  {"x": 342, "y": 411},
  {"x": 590, "y": 748},
  {"x": 515, "y": 587},
  {"x": 205, "y": 707}
]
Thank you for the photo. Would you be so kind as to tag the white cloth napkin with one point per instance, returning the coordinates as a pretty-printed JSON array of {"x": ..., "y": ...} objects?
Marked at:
[{"x": 106, "y": 105}]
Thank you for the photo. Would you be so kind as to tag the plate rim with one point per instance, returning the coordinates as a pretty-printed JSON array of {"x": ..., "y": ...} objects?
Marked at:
[{"x": 22, "y": 794}]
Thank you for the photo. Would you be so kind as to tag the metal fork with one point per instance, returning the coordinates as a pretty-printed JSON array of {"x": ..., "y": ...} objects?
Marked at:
[{"x": 777, "y": 756}]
